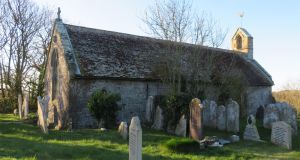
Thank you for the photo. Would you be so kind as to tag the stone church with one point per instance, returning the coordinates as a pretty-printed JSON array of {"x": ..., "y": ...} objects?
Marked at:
[{"x": 83, "y": 60}]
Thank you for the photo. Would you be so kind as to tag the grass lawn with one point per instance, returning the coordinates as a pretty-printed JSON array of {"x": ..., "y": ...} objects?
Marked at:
[{"x": 26, "y": 141}]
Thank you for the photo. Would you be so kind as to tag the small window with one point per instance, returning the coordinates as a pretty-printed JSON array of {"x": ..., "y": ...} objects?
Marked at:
[
  {"x": 54, "y": 65},
  {"x": 239, "y": 42}
]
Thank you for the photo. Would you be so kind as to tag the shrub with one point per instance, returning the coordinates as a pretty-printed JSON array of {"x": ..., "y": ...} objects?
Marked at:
[
  {"x": 103, "y": 106},
  {"x": 173, "y": 106}
]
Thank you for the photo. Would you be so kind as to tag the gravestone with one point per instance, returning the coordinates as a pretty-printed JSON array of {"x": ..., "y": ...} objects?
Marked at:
[
  {"x": 251, "y": 132},
  {"x": 281, "y": 112},
  {"x": 15, "y": 112},
  {"x": 271, "y": 115},
  {"x": 209, "y": 113},
  {"x": 135, "y": 139},
  {"x": 158, "y": 119},
  {"x": 25, "y": 106},
  {"x": 232, "y": 114},
  {"x": 149, "y": 109},
  {"x": 181, "y": 127},
  {"x": 282, "y": 134},
  {"x": 43, "y": 113},
  {"x": 20, "y": 106},
  {"x": 221, "y": 118},
  {"x": 123, "y": 130},
  {"x": 195, "y": 119}
]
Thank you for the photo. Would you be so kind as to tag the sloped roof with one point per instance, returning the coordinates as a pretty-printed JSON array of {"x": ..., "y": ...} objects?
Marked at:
[{"x": 106, "y": 54}]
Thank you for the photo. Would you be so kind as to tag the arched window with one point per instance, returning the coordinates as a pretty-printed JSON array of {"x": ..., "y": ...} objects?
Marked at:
[
  {"x": 239, "y": 42},
  {"x": 54, "y": 65}
]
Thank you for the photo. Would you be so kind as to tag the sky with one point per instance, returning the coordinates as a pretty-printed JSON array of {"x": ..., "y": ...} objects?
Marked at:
[{"x": 274, "y": 24}]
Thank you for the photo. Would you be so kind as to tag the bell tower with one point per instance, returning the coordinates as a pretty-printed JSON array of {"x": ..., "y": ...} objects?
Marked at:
[{"x": 242, "y": 42}]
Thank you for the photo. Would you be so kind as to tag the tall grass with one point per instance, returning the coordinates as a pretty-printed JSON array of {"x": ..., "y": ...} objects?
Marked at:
[{"x": 290, "y": 96}]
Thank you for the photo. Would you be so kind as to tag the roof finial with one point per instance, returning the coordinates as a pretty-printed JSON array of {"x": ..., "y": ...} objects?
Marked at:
[
  {"x": 241, "y": 14},
  {"x": 58, "y": 13}
]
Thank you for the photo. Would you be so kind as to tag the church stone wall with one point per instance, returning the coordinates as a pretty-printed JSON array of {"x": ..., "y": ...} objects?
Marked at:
[
  {"x": 256, "y": 97},
  {"x": 133, "y": 94}
]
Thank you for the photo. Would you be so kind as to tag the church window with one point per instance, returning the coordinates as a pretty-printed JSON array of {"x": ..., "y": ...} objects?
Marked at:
[{"x": 239, "y": 42}]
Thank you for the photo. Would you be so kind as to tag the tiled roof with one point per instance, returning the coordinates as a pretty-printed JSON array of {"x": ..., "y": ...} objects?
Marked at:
[{"x": 108, "y": 54}]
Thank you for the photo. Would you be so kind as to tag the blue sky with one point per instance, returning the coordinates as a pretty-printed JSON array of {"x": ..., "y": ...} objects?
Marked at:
[{"x": 274, "y": 24}]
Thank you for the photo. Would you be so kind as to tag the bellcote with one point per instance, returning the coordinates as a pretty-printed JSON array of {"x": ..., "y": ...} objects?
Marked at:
[{"x": 242, "y": 42}]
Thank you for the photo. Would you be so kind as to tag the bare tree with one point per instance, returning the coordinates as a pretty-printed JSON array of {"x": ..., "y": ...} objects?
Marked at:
[
  {"x": 23, "y": 25},
  {"x": 174, "y": 20}
]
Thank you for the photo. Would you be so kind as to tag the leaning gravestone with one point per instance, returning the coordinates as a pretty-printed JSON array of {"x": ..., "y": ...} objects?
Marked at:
[
  {"x": 123, "y": 130},
  {"x": 158, "y": 119},
  {"x": 281, "y": 112},
  {"x": 195, "y": 119},
  {"x": 251, "y": 132},
  {"x": 181, "y": 127},
  {"x": 25, "y": 106},
  {"x": 221, "y": 118},
  {"x": 282, "y": 134},
  {"x": 135, "y": 139},
  {"x": 209, "y": 113},
  {"x": 232, "y": 114},
  {"x": 20, "y": 106},
  {"x": 149, "y": 109},
  {"x": 43, "y": 113}
]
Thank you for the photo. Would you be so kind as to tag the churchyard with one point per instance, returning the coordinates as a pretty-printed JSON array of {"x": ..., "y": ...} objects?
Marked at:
[{"x": 24, "y": 140}]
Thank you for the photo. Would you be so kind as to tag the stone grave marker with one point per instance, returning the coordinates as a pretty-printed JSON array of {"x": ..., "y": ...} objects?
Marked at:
[
  {"x": 221, "y": 118},
  {"x": 135, "y": 139},
  {"x": 281, "y": 112},
  {"x": 20, "y": 106},
  {"x": 25, "y": 106},
  {"x": 232, "y": 115},
  {"x": 158, "y": 119},
  {"x": 195, "y": 119},
  {"x": 149, "y": 109},
  {"x": 123, "y": 130},
  {"x": 282, "y": 134},
  {"x": 15, "y": 112},
  {"x": 209, "y": 113},
  {"x": 251, "y": 132},
  {"x": 43, "y": 113},
  {"x": 181, "y": 127}
]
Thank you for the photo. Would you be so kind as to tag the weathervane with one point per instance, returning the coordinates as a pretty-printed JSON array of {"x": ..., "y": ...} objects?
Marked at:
[
  {"x": 241, "y": 14},
  {"x": 58, "y": 13}
]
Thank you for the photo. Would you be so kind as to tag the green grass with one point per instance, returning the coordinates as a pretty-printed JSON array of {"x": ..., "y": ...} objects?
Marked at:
[{"x": 26, "y": 141}]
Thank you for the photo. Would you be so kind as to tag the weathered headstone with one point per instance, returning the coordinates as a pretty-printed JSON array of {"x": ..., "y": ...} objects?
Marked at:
[
  {"x": 25, "y": 106},
  {"x": 282, "y": 134},
  {"x": 221, "y": 118},
  {"x": 181, "y": 127},
  {"x": 195, "y": 119},
  {"x": 43, "y": 113},
  {"x": 209, "y": 113},
  {"x": 123, "y": 130},
  {"x": 158, "y": 119},
  {"x": 271, "y": 115},
  {"x": 232, "y": 114},
  {"x": 281, "y": 112},
  {"x": 20, "y": 106},
  {"x": 149, "y": 109},
  {"x": 251, "y": 132},
  {"x": 15, "y": 112},
  {"x": 135, "y": 139}
]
